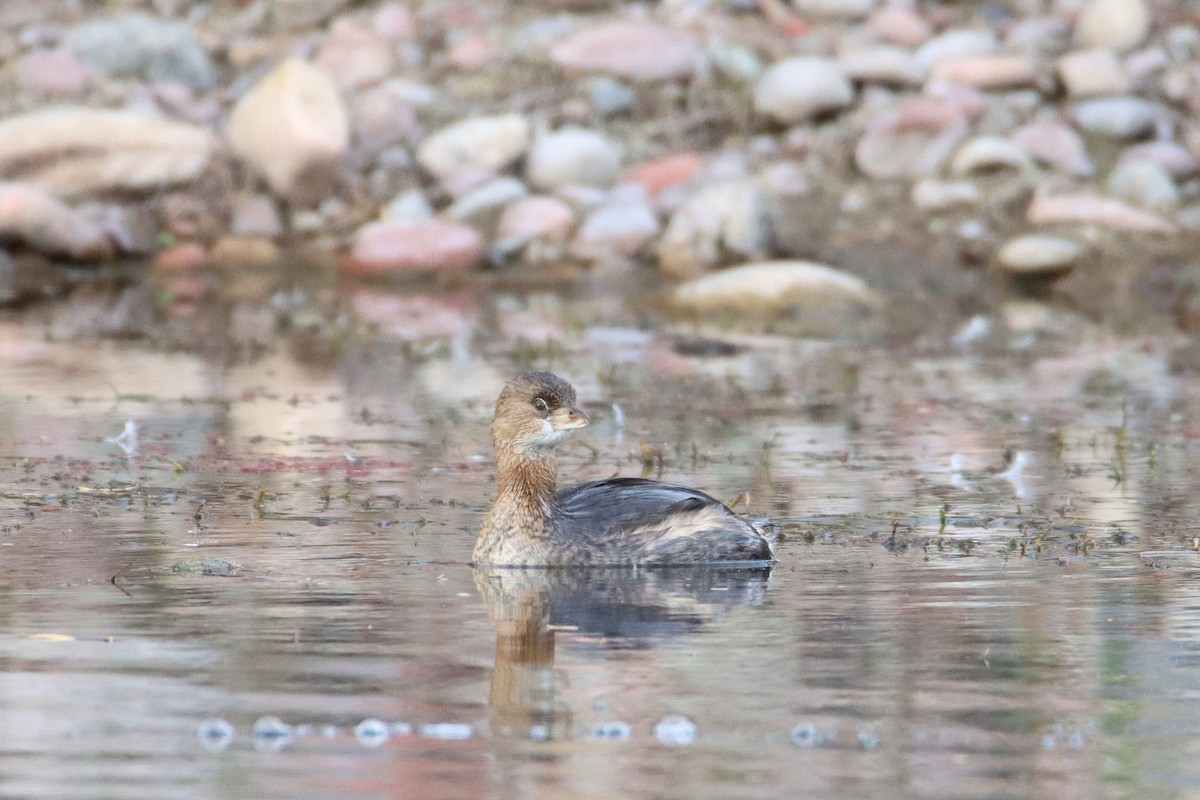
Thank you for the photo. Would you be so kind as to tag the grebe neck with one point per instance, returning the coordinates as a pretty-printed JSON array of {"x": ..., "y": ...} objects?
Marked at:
[{"x": 527, "y": 479}]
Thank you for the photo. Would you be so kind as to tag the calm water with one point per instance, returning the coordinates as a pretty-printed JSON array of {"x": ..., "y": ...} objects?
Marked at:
[{"x": 988, "y": 586}]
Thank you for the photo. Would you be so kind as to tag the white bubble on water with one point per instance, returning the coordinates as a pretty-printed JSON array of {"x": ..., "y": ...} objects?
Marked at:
[
  {"x": 215, "y": 734},
  {"x": 615, "y": 730},
  {"x": 675, "y": 730},
  {"x": 372, "y": 732},
  {"x": 271, "y": 734},
  {"x": 447, "y": 730},
  {"x": 805, "y": 734}
]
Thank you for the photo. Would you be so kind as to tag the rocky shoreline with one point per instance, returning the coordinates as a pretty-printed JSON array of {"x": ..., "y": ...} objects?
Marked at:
[{"x": 742, "y": 150}]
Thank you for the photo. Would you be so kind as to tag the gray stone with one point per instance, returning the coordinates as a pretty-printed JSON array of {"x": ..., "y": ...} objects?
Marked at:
[
  {"x": 144, "y": 46},
  {"x": 1117, "y": 117},
  {"x": 573, "y": 157},
  {"x": 1143, "y": 183}
]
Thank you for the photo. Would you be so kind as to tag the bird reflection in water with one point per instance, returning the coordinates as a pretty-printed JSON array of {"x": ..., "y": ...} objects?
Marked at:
[{"x": 617, "y": 608}]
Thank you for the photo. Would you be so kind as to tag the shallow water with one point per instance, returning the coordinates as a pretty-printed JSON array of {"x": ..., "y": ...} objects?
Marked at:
[{"x": 988, "y": 585}]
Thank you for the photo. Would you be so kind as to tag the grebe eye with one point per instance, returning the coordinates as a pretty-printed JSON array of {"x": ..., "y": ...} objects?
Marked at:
[{"x": 540, "y": 405}]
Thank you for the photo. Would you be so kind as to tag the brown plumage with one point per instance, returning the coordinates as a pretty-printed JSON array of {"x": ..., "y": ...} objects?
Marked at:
[{"x": 602, "y": 523}]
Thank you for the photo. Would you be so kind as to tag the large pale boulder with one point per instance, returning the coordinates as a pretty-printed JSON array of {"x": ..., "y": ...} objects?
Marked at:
[
  {"x": 73, "y": 151},
  {"x": 293, "y": 129}
]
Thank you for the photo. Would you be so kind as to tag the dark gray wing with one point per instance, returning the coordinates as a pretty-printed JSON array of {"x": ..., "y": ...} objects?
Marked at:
[{"x": 602, "y": 509}]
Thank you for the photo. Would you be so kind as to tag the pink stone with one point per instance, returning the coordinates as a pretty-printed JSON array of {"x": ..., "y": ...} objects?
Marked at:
[
  {"x": 1083, "y": 207},
  {"x": 473, "y": 52},
  {"x": 900, "y": 26},
  {"x": 354, "y": 56},
  {"x": 394, "y": 22},
  {"x": 537, "y": 217},
  {"x": 1171, "y": 156},
  {"x": 636, "y": 50},
  {"x": 383, "y": 116},
  {"x": 29, "y": 213},
  {"x": 986, "y": 72},
  {"x": 397, "y": 246},
  {"x": 54, "y": 72},
  {"x": 913, "y": 141},
  {"x": 660, "y": 174},
  {"x": 1057, "y": 145}
]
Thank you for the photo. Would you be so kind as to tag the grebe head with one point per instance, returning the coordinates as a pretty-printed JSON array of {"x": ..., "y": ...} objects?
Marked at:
[{"x": 535, "y": 411}]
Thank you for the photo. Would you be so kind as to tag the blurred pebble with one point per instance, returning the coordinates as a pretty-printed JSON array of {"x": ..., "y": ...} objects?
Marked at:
[
  {"x": 1057, "y": 145},
  {"x": 956, "y": 44},
  {"x": 615, "y": 231},
  {"x": 986, "y": 153},
  {"x": 354, "y": 55},
  {"x": 773, "y": 286},
  {"x": 254, "y": 215},
  {"x": 725, "y": 221},
  {"x": 639, "y": 51},
  {"x": 31, "y": 215},
  {"x": 1092, "y": 73},
  {"x": 1173, "y": 157},
  {"x": 54, "y": 72},
  {"x": 1038, "y": 256},
  {"x": 899, "y": 24},
  {"x": 845, "y": 9},
  {"x": 796, "y": 89},
  {"x": 986, "y": 71},
  {"x": 934, "y": 195},
  {"x": 1143, "y": 183},
  {"x": 1084, "y": 207},
  {"x": 481, "y": 207},
  {"x": 573, "y": 156},
  {"x": 885, "y": 64},
  {"x": 662, "y": 174},
  {"x": 1118, "y": 117},
  {"x": 398, "y": 246},
  {"x": 912, "y": 141},
  {"x": 609, "y": 97},
  {"x": 486, "y": 144},
  {"x": 1119, "y": 24},
  {"x": 537, "y": 217}
]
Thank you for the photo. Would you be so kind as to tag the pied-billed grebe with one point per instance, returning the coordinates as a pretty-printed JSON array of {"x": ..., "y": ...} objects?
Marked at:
[{"x": 609, "y": 522}]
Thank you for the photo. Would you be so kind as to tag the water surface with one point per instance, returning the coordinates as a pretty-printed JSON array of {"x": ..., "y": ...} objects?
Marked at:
[{"x": 988, "y": 585}]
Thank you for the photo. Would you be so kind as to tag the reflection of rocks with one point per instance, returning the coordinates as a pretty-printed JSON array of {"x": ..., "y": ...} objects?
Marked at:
[{"x": 621, "y": 607}]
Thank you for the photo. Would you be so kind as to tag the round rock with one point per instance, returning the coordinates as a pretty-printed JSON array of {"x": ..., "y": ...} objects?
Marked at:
[
  {"x": 797, "y": 89},
  {"x": 629, "y": 49},
  {"x": 396, "y": 246},
  {"x": 1037, "y": 256},
  {"x": 1117, "y": 117},
  {"x": 481, "y": 144},
  {"x": 573, "y": 157},
  {"x": 773, "y": 286},
  {"x": 1119, "y": 24},
  {"x": 1143, "y": 183}
]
